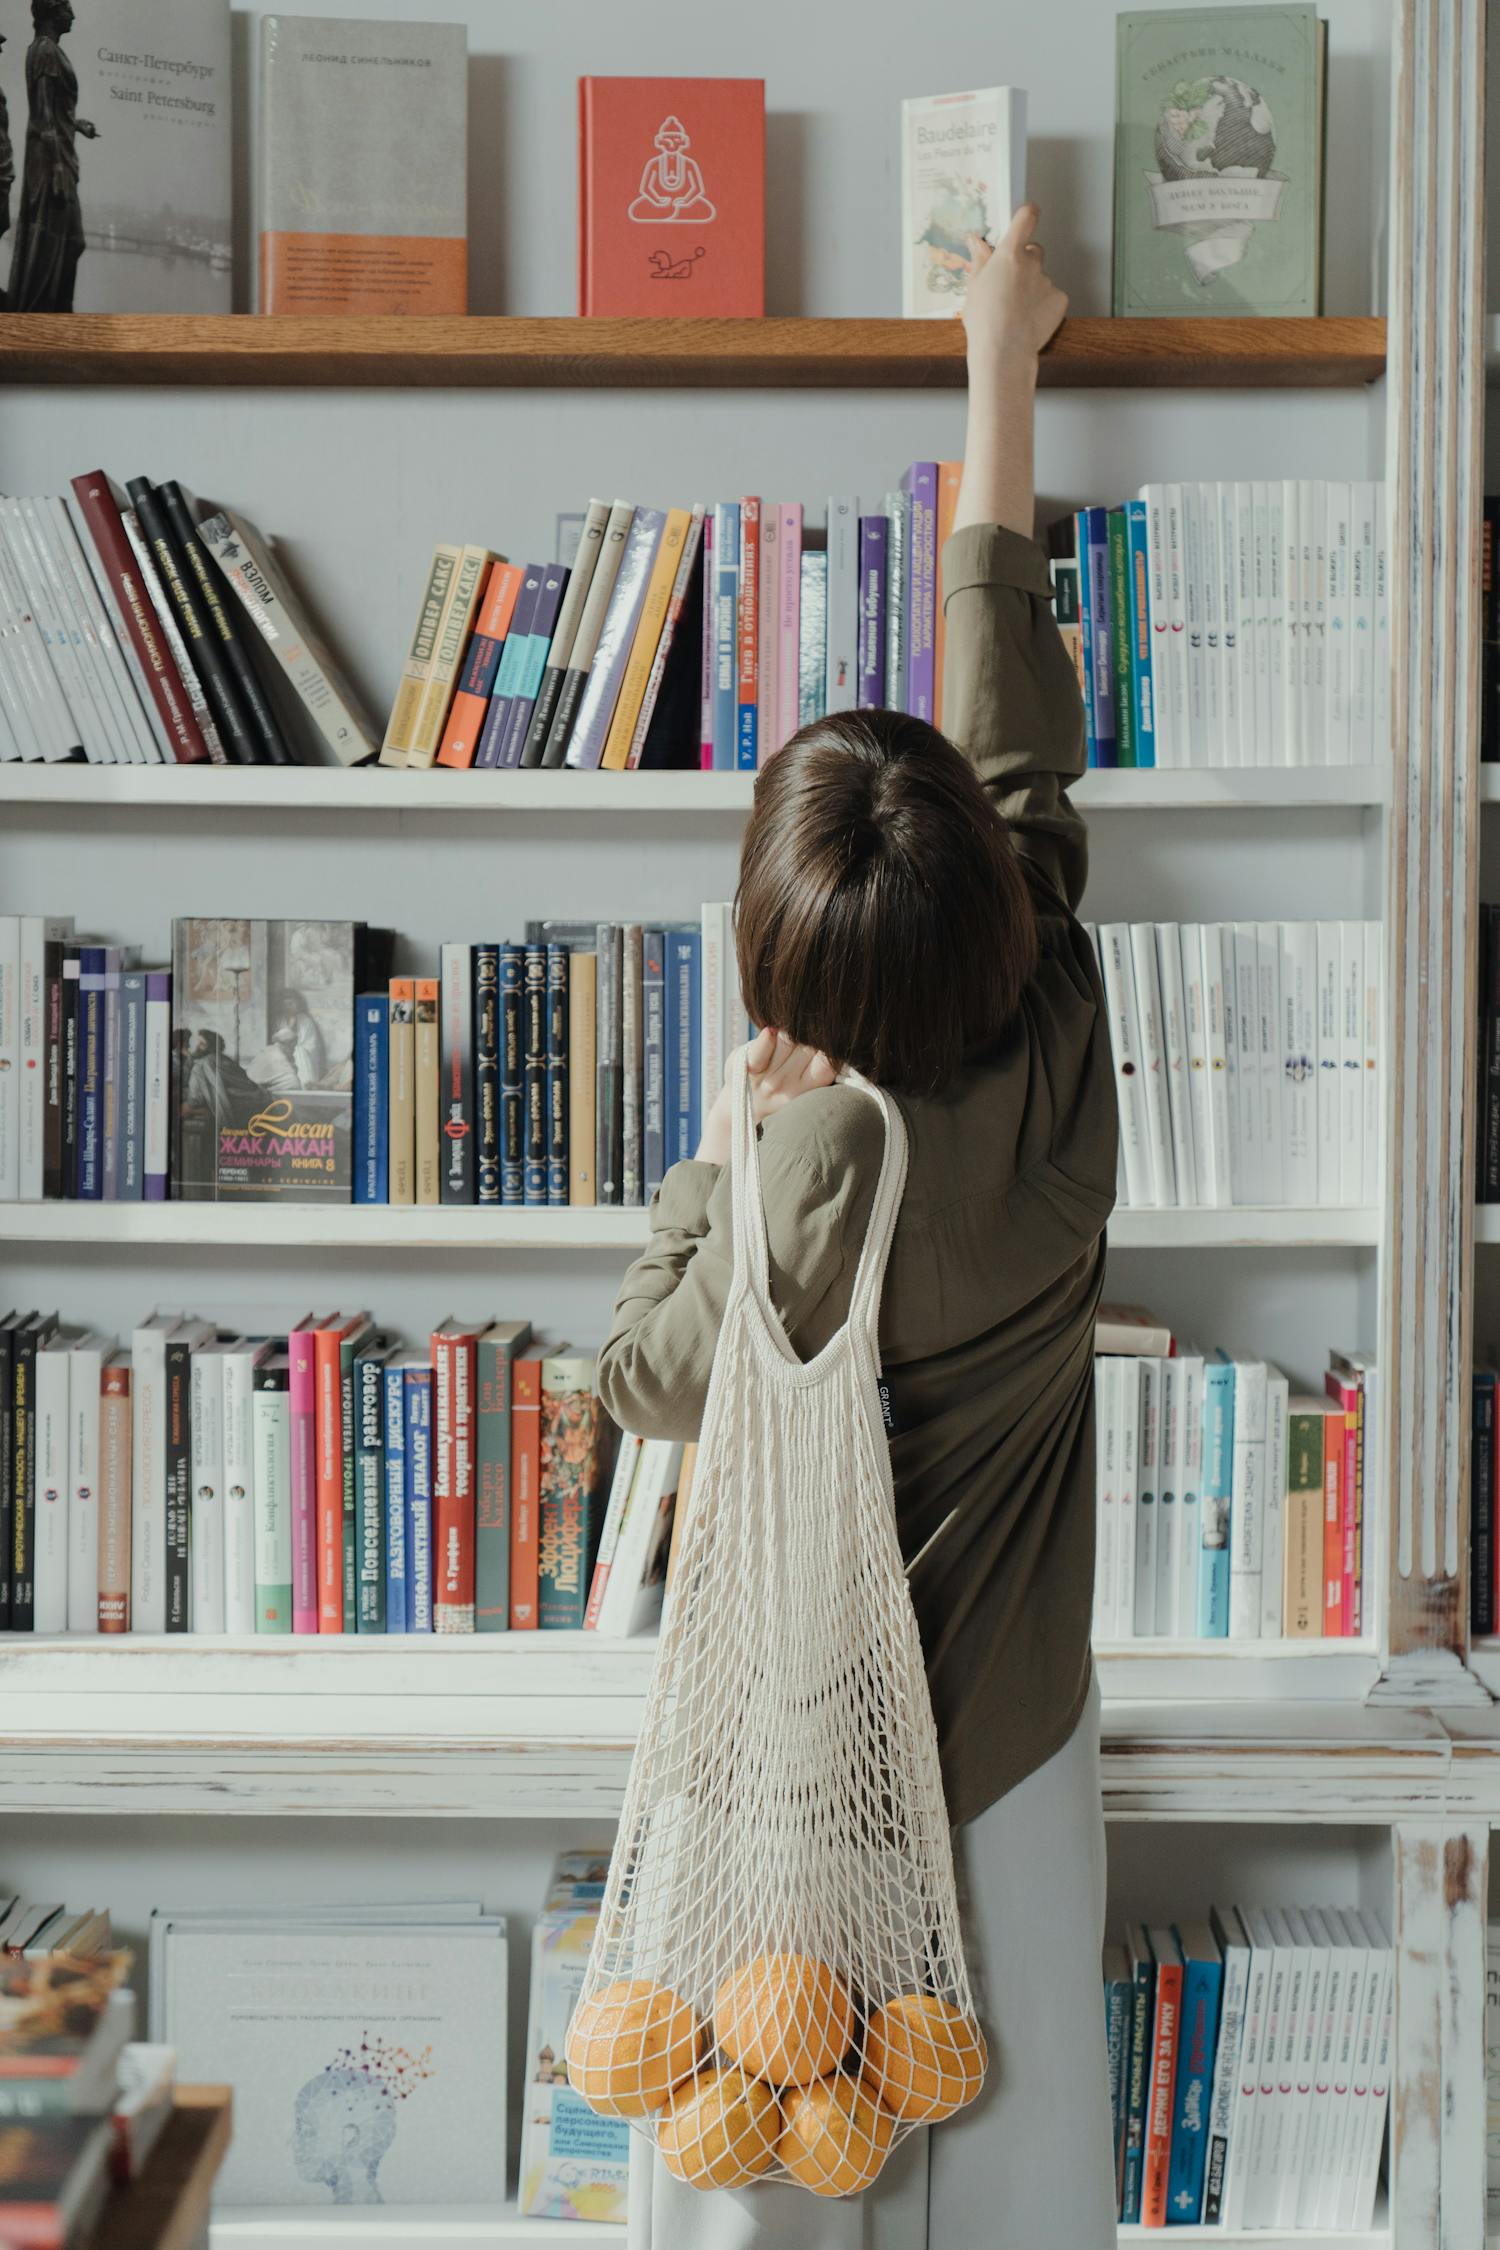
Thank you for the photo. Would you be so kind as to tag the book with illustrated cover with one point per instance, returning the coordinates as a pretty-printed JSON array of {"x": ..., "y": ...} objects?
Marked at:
[
  {"x": 363, "y": 171},
  {"x": 963, "y": 173},
  {"x": 263, "y": 1057},
  {"x": 576, "y": 1443},
  {"x": 1219, "y": 161},
  {"x": 574, "y": 2165},
  {"x": 122, "y": 153},
  {"x": 671, "y": 196}
]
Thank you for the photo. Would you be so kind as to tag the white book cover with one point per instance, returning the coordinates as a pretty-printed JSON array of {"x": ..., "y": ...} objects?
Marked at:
[
  {"x": 1189, "y": 1441},
  {"x": 270, "y": 1442},
  {"x": 85, "y": 1367},
  {"x": 841, "y": 664},
  {"x": 1250, "y": 1185},
  {"x": 1253, "y": 507},
  {"x": 1357, "y": 2203},
  {"x": 1281, "y": 591},
  {"x": 1168, "y": 1495},
  {"x": 963, "y": 172},
  {"x": 1315, "y": 605},
  {"x": 153, "y": 746},
  {"x": 49, "y": 1550},
  {"x": 1363, "y": 500},
  {"x": 1372, "y": 1099},
  {"x": 35, "y": 673},
  {"x": 31, "y": 999},
  {"x": 123, "y": 681},
  {"x": 1335, "y": 1997},
  {"x": 1234, "y": 1946},
  {"x": 1247, "y": 1499},
  {"x": 1154, "y": 1065},
  {"x": 1221, "y": 1138},
  {"x": 654, "y": 1482},
  {"x": 1228, "y": 587},
  {"x": 206, "y": 1536},
  {"x": 148, "y": 1490},
  {"x": 1153, "y": 498},
  {"x": 1202, "y": 751},
  {"x": 1106, "y": 1491},
  {"x": 77, "y": 670},
  {"x": 1270, "y": 607},
  {"x": 1297, "y": 2082},
  {"x": 1180, "y": 729},
  {"x": 10, "y": 1057},
  {"x": 240, "y": 1361},
  {"x": 1299, "y": 1062},
  {"x": 1147, "y": 1498},
  {"x": 1217, "y": 747},
  {"x": 1292, "y": 634},
  {"x": 1128, "y": 1409},
  {"x": 1260, "y": 2186},
  {"x": 1242, "y": 2122},
  {"x": 1351, "y": 1062},
  {"x": 1361, "y": 1991},
  {"x": 157, "y": 1102},
  {"x": 1242, "y": 521},
  {"x": 1193, "y": 995},
  {"x": 627, "y": 1456},
  {"x": 74, "y": 707},
  {"x": 367, "y": 2062},
  {"x": 1177, "y": 1060},
  {"x": 1273, "y": 1543},
  {"x": 1135, "y": 1127},
  {"x": 1343, "y": 2186},
  {"x": 1337, "y": 734},
  {"x": 1328, "y": 943},
  {"x": 1268, "y": 1035},
  {"x": 53, "y": 540}
]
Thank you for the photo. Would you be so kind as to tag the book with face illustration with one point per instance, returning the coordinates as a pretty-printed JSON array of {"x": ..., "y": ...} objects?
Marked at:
[{"x": 963, "y": 173}]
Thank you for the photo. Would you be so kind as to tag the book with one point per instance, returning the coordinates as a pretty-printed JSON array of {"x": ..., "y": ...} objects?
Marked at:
[
  {"x": 454, "y": 1378},
  {"x": 243, "y": 1358},
  {"x": 368, "y": 1446},
  {"x": 570, "y": 612},
  {"x": 372, "y": 1099},
  {"x": 456, "y": 1074},
  {"x": 417, "y": 670},
  {"x": 963, "y": 173},
  {"x": 417, "y": 1389},
  {"x": 1138, "y": 2091},
  {"x": 573, "y": 1452},
  {"x": 362, "y": 167},
  {"x": 595, "y": 608},
  {"x": 630, "y": 1595},
  {"x": 1202, "y": 1989},
  {"x": 401, "y": 1069},
  {"x": 617, "y": 632},
  {"x": 114, "y": 1614},
  {"x": 671, "y": 196},
  {"x": 426, "y": 1080},
  {"x": 525, "y": 1480},
  {"x": 1219, "y": 161},
  {"x": 153, "y": 203},
  {"x": 563, "y": 2175},
  {"x": 393, "y": 1435},
  {"x": 495, "y": 1354}
]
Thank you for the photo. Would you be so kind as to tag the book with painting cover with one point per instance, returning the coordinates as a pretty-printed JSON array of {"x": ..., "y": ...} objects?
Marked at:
[
  {"x": 575, "y": 1450},
  {"x": 363, "y": 166},
  {"x": 671, "y": 196},
  {"x": 1219, "y": 161},
  {"x": 963, "y": 173}
]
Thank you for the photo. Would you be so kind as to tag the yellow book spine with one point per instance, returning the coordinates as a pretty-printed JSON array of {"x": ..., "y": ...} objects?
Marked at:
[
  {"x": 647, "y": 635},
  {"x": 408, "y": 704},
  {"x": 401, "y": 1125},
  {"x": 448, "y": 655},
  {"x": 425, "y": 1089},
  {"x": 582, "y": 982}
]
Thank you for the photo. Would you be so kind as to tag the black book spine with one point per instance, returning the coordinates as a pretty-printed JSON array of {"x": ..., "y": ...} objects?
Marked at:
[
  {"x": 512, "y": 1074},
  {"x": 1482, "y": 1507},
  {"x": 7, "y": 1468},
  {"x": 487, "y": 1074},
  {"x": 202, "y": 642},
  {"x": 559, "y": 734},
  {"x": 23, "y": 1444},
  {"x": 1491, "y": 987},
  {"x": 557, "y": 1074},
  {"x": 179, "y": 1482},
  {"x": 221, "y": 606},
  {"x": 52, "y": 1069},
  {"x": 456, "y": 1065},
  {"x": 70, "y": 1072},
  {"x": 534, "y": 1073},
  {"x": 534, "y": 748}
]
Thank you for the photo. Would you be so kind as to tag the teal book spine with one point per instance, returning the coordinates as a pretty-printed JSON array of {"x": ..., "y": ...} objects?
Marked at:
[
  {"x": 1119, "y": 639},
  {"x": 1142, "y": 683},
  {"x": 1202, "y": 1987},
  {"x": 1214, "y": 1498}
]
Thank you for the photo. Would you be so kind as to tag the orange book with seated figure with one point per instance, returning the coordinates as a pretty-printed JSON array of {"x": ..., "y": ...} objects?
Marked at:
[{"x": 671, "y": 196}]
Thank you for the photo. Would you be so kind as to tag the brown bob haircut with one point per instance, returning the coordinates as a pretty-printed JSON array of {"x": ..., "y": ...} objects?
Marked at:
[{"x": 882, "y": 917}]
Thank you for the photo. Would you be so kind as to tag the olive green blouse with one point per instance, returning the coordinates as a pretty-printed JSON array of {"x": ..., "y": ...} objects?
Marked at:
[{"x": 987, "y": 1317}]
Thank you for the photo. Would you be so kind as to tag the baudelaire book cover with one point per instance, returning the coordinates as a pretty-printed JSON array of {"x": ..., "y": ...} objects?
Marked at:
[
  {"x": 115, "y": 119},
  {"x": 963, "y": 173},
  {"x": 671, "y": 196}
]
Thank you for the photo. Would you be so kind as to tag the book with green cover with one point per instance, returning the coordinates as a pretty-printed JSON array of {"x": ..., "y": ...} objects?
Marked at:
[
  {"x": 1119, "y": 639},
  {"x": 1219, "y": 161}
]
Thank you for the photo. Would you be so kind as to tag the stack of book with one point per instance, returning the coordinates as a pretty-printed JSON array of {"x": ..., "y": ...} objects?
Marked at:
[
  {"x": 1250, "y": 2060},
  {"x": 574, "y": 2164},
  {"x": 315, "y": 1476},
  {"x": 1247, "y": 1060},
  {"x": 1230, "y": 624},
  {"x": 134, "y": 633},
  {"x": 1229, "y": 1507}
]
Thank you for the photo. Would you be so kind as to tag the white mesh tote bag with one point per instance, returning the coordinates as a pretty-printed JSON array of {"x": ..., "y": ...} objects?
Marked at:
[{"x": 777, "y": 1987}]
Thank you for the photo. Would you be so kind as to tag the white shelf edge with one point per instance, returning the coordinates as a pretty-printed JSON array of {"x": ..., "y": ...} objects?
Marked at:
[
  {"x": 368, "y": 789},
  {"x": 376, "y": 1227},
  {"x": 393, "y": 2228}
]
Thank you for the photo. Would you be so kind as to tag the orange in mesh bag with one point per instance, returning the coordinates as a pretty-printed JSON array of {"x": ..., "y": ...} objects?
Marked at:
[{"x": 777, "y": 1988}]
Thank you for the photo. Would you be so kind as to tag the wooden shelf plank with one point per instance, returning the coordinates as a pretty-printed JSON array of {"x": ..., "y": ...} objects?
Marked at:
[
  {"x": 276, "y": 790},
  {"x": 774, "y": 353}
]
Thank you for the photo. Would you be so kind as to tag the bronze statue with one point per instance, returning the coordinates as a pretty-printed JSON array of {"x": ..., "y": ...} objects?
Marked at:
[
  {"x": 49, "y": 229},
  {"x": 7, "y": 162}
]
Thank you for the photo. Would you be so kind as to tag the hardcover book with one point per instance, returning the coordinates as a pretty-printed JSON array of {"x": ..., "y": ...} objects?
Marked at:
[
  {"x": 671, "y": 196},
  {"x": 363, "y": 201},
  {"x": 1219, "y": 161},
  {"x": 963, "y": 173},
  {"x": 122, "y": 155}
]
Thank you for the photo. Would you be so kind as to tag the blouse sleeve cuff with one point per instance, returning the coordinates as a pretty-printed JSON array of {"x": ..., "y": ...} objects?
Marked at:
[
  {"x": 681, "y": 1202},
  {"x": 987, "y": 554}
]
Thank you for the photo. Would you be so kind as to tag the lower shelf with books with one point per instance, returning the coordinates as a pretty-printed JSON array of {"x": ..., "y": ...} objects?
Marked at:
[{"x": 1377, "y": 2236}]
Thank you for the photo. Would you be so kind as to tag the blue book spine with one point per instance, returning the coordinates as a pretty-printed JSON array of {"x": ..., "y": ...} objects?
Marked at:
[
  {"x": 1138, "y": 564},
  {"x": 653, "y": 1060},
  {"x": 512, "y": 669},
  {"x": 132, "y": 1094},
  {"x": 1198, "y": 2031},
  {"x": 685, "y": 1060},
  {"x": 557, "y": 1074},
  {"x": 1137, "y": 2087},
  {"x": 369, "y": 1492},
  {"x": 1102, "y": 676},
  {"x": 874, "y": 551},
  {"x": 394, "y": 1402},
  {"x": 1213, "y": 1505},
  {"x": 512, "y": 1074},
  {"x": 418, "y": 1384},
  {"x": 372, "y": 1022},
  {"x": 726, "y": 593},
  {"x": 91, "y": 975},
  {"x": 1086, "y": 633}
]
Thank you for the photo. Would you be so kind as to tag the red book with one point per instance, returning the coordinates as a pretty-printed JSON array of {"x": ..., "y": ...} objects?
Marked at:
[
  {"x": 1349, "y": 1396},
  {"x": 302, "y": 1392},
  {"x": 672, "y": 196},
  {"x": 454, "y": 1355},
  {"x": 1333, "y": 1529},
  {"x": 525, "y": 1487},
  {"x": 1163, "y": 2077},
  {"x": 329, "y": 1440},
  {"x": 96, "y": 500},
  {"x": 747, "y": 636}
]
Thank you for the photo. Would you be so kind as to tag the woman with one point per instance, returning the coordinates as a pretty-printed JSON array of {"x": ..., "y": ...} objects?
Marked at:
[{"x": 910, "y": 910}]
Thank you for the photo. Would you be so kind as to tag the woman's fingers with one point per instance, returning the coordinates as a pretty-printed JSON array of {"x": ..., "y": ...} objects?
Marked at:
[
  {"x": 1022, "y": 227},
  {"x": 760, "y": 1051}
]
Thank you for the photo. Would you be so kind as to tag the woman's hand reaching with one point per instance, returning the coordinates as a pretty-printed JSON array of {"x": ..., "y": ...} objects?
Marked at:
[
  {"x": 1013, "y": 306},
  {"x": 779, "y": 1071},
  {"x": 1013, "y": 309}
]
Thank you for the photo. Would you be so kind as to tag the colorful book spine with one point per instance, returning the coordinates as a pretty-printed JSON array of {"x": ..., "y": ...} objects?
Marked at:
[
  {"x": 114, "y": 1495},
  {"x": 92, "y": 977},
  {"x": 393, "y": 1414},
  {"x": 271, "y": 1441},
  {"x": 401, "y": 1120},
  {"x": 1119, "y": 636},
  {"x": 511, "y": 669},
  {"x": 534, "y": 1074},
  {"x": 567, "y": 1490},
  {"x": 525, "y": 1481},
  {"x": 487, "y": 1074},
  {"x": 417, "y": 1385},
  {"x": 1142, "y": 2018},
  {"x": 523, "y": 702},
  {"x": 369, "y": 1484},
  {"x": 456, "y": 1069},
  {"x": 921, "y": 582},
  {"x": 565, "y": 638},
  {"x": 726, "y": 604},
  {"x": 495, "y": 1354},
  {"x": 1093, "y": 564},
  {"x": 371, "y": 1098},
  {"x": 302, "y": 1394},
  {"x": 874, "y": 545},
  {"x": 706, "y": 638},
  {"x": 654, "y": 1158},
  {"x": 1215, "y": 1499},
  {"x": 812, "y": 639},
  {"x": 747, "y": 638},
  {"x": 557, "y": 1107},
  {"x": 512, "y": 1075},
  {"x": 453, "y": 1384},
  {"x": 1164, "y": 2044},
  {"x": 481, "y": 666},
  {"x": 1202, "y": 1987},
  {"x": 328, "y": 1425},
  {"x": 640, "y": 663}
]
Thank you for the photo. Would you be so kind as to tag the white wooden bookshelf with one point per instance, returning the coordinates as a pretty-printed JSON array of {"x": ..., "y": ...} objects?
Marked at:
[{"x": 463, "y": 2227}]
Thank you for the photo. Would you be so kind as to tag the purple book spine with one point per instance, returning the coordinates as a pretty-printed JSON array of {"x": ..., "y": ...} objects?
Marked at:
[
  {"x": 113, "y": 1075},
  {"x": 616, "y": 639},
  {"x": 874, "y": 548},
  {"x": 706, "y": 682},
  {"x": 158, "y": 1083},
  {"x": 920, "y": 481},
  {"x": 507, "y": 679},
  {"x": 539, "y": 642}
]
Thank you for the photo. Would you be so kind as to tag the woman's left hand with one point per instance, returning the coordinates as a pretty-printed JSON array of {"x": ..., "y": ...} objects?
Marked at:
[{"x": 779, "y": 1071}]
